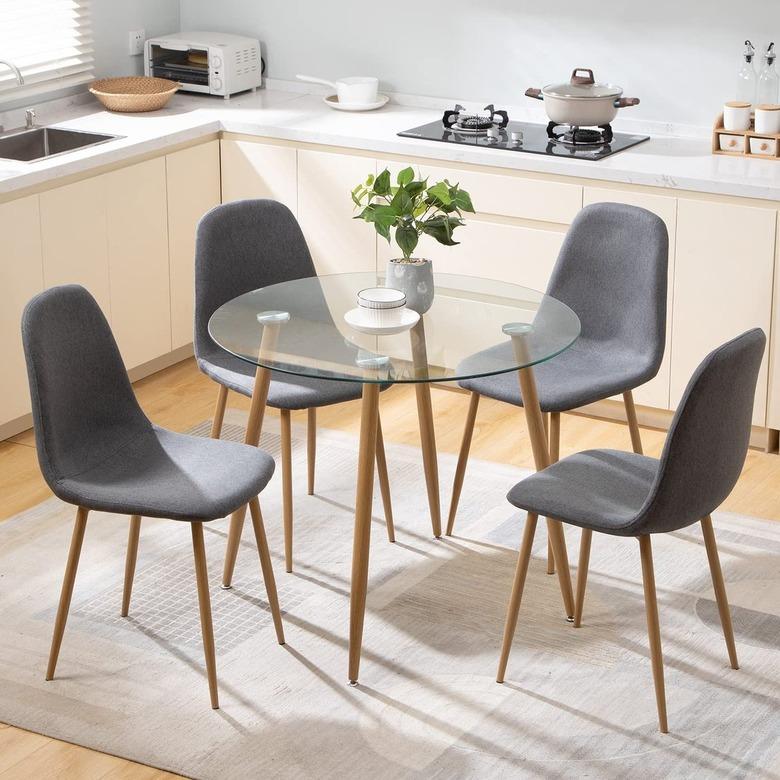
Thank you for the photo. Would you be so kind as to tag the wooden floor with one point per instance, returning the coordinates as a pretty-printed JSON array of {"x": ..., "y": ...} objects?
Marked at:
[{"x": 181, "y": 397}]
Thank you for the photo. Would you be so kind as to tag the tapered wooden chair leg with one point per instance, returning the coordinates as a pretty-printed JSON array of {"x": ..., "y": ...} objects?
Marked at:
[
  {"x": 463, "y": 457},
  {"x": 384, "y": 481},
  {"x": 555, "y": 453},
  {"x": 204, "y": 602},
  {"x": 513, "y": 609},
  {"x": 130, "y": 559},
  {"x": 287, "y": 499},
  {"x": 720, "y": 589},
  {"x": 633, "y": 424},
  {"x": 233, "y": 543},
  {"x": 267, "y": 567},
  {"x": 582, "y": 575},
  {"x": 219, "y": 412},
  {"x": 311, "y": 446},
  {"x": 653, "y": 630},
  {"x": 67, "y": 589}
]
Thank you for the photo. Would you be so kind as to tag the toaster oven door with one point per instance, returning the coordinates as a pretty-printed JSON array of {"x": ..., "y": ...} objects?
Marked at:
[{"x": 189, "y": 65}]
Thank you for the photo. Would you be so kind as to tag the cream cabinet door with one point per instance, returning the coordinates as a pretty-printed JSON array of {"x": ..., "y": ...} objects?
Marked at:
[
  {"x": 193, "y": 189},
  {"x": 654, "y": 393},
  {"x": 338, "y": 243},
  {"x": 722, "y": 285},
  {"x": 492, "y": 250},
  {"x": 21, "y": 277},
  {"x": 257, "y": 170},
  {"x": 74, "y": 238},
  {"x": 137, "y": 229},
  {"x": 773, "y": 405}
]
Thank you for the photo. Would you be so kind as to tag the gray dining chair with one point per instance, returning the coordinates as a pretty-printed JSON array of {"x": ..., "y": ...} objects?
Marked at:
[
  {"x": 628, "y": 494},
  {"x": 240, "y": 247},
  {"x": 99, "y": 451},
  {"x": 612, "y": 271}
]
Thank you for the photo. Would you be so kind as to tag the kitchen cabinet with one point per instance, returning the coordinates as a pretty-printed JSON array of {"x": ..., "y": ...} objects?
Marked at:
[
  {"x": 74, "y": 238},
  {"x": 193, "y": 189},
  {"x": 258, "y": 170},
  {"x": 137, "y": 253},
  {"x": 722, "y": 286},
  {"x": 773, "y": 402},
  {"x": 21, "y": 277},
  {"x": 654, "y": 393},
  {"x": 338, "y": 243}
]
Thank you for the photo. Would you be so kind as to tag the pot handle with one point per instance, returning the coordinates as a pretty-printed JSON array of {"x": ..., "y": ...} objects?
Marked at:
[
  {"x": 533, "y": 92},
  {"x": 585, "y": 80},
  {"x": 626, "y": 102}
]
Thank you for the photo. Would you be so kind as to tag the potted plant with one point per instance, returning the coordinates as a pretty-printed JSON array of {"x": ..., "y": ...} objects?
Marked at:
[{"x": 412, "y": 208}]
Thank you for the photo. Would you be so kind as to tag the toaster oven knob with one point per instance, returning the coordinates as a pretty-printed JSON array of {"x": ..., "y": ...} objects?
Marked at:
[
  {"x": 216, "y": 62},
  {"x": 216, "y": 83}
]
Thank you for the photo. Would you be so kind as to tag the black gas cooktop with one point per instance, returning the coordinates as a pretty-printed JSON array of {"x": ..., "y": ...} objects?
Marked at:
[{"x": 491, "y": 129}]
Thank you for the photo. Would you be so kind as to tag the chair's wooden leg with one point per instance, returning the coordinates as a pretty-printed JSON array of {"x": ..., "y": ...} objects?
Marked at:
[
  {"x": 582, "y": 575},
  {"x": 633, "y": 424},
  {"x": 653, "y": 629},
  {"x": 463, "y": 457},
  {"x": 384, "y": 481},
  {"x": 517, "y": 593},
  {"x": 219, "y": 412},
  {"x": 266, "y": 566},
  {"x": 130, "y": 559},
  {"x": 311, "y": 446},
  {"x": 555, "y": 453},
  {"x": 287, "y": 496},
  {"x": 362, "y": 535},
  {"x": 66, "y": 593},
  {"x": 720, "y": 589},
  {"x": 204, "y": 602}
]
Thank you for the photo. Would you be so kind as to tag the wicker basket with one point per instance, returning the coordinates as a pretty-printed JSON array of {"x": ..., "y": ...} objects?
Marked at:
[{"x": 133, "y": 93}]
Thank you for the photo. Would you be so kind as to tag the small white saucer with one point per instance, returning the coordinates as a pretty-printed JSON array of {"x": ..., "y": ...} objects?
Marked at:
[
  {"x": 379, "y": 322},
  {"x": 333, "y": 102}
]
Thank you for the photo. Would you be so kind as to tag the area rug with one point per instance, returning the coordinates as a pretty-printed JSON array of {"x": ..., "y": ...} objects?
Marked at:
[{"x": 576, "y": 702}]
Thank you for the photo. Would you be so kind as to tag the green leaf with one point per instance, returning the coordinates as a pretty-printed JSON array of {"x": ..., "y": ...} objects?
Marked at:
[
  {"x": 415, "y": 188},
  {"x": 439, "y": 228},
  {"x": 370, "y": 179},
  {"x": 384, "y": 218},
  {"x": 406, "y": 237},
  {"x": 406, "y": 176},
  {"x": 440, "y": 192},
  {"x": 402, "y": 202},
  {"x": 382, "y": 183},
  {"x": 463, "y": 201}
]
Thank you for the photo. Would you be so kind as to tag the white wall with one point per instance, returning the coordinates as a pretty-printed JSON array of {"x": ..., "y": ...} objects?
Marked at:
[{"x": 680, "y": 57}]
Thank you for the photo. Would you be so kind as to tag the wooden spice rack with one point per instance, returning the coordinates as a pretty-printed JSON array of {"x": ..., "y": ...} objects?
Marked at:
[{"x": 741, "y": 142}]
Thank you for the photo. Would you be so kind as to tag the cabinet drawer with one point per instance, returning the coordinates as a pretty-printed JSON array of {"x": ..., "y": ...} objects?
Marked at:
[{"x": 505, "y": 195}]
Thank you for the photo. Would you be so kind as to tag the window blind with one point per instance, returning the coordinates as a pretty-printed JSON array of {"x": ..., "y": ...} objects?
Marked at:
[{"x": 50, "y": 41}]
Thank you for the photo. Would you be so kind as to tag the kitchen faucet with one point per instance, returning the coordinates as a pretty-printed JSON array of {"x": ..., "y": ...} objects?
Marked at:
[{"x": 17, "y": 73}]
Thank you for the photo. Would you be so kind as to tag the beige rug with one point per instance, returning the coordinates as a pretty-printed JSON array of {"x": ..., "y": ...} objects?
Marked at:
[{"x": 577, "y": 703}]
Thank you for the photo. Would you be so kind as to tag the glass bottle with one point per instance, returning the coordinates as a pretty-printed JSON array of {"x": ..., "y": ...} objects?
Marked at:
[
  {"x": 768, "y": 79},
  {"x": 746, "y": 78}
]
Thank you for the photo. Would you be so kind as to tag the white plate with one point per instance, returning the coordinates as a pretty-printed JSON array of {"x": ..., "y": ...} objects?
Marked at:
[
  {"x": 333, "y": 102},
  {"x": 392, "y": 321}
]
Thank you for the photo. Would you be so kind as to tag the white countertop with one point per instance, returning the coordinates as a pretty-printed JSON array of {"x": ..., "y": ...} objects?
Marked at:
[{"x": 673, "y": 163}]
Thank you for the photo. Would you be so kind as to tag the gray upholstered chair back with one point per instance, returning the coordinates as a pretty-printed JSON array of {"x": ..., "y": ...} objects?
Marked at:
[
  {"x": 242, "y": 246},
  {"x": 708, "y": 439},
  {"x": 612, "y": 271},
  {"x": 83, "y": 406}
]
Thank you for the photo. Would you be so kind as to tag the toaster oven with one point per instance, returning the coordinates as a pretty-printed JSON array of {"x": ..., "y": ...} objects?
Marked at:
[{"x": 206, "y": 62}]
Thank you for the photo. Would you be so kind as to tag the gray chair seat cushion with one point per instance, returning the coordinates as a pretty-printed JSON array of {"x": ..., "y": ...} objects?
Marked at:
[
  {"x": 604, "y": 490},
  {"x": 286, "y": 391},
  {"x": 159, "y": 473},
  {"x": 585, "y": 373}
]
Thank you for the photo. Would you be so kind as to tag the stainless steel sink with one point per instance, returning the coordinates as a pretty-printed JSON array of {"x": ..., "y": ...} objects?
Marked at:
[{"x": 40, "y": 143}]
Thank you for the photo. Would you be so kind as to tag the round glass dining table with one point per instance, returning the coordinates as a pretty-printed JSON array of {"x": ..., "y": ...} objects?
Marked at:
[{"x": 474, "y": 328}]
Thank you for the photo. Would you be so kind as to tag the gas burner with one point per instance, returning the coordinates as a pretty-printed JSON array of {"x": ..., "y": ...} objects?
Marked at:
[
  {"x": 580, "y": 136},
  {"x": 460, "y": 121}
]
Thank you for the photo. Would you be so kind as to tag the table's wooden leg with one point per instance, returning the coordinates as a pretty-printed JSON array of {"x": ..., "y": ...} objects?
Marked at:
[
  {"x": 537, "y": 434},
  {"x": 253, "y": 427},
  {"x": 430, "y": 460},
  {"x": 363, "y": 502}
]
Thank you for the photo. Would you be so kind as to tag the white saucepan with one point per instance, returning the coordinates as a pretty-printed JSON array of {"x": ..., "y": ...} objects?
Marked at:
[
  {"x": 353, "y": 90},
  {"x": 581, "y": 102}
]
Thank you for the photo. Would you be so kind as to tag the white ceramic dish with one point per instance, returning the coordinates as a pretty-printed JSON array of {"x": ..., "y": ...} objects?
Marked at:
[
  {"x": 333, "y": 102},
  {"x": 381, "y": 298},
  {"x": 378, "y": 322}
]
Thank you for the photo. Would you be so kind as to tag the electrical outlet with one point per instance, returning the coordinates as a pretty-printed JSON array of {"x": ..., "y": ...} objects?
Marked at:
[{"x": 137, "y": 38}]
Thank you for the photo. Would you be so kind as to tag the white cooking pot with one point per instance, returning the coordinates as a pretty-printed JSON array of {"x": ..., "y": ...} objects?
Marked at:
[
  {"x": 582, "y": 102},
  {"x": 353, "y": 90}
]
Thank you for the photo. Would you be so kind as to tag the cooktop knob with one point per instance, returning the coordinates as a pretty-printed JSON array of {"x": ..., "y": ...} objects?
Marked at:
[
  {"x": 493, "y": 133},
  {"x": 517, "y": 136}
]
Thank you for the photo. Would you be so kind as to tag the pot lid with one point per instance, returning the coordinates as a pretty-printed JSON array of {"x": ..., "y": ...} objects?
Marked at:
[{"x": 582, "y": 85}]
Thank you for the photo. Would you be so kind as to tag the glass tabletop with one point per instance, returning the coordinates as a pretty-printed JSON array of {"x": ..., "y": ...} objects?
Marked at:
[{"x": 474, "y": 327}]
